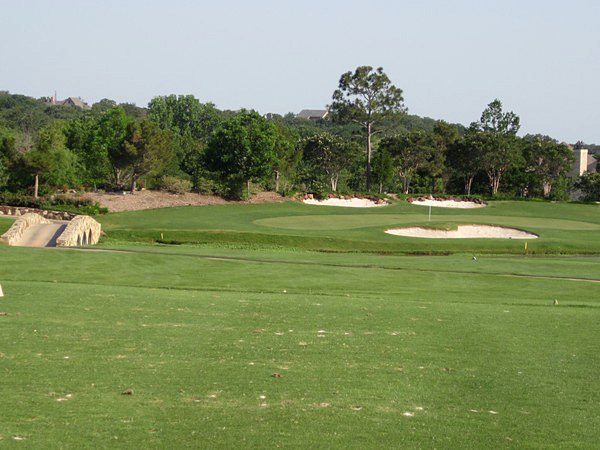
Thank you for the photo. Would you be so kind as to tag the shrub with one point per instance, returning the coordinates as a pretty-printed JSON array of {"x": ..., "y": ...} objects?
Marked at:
[
  {"x": 207, "y": 186},
  {"x": 589, "y": 184},
  {"x": 59, "y": 202},
  {"x": 175, "y": 185},
  {"x": 64, "y": 199},
  {"x": 320, "y": 190}
]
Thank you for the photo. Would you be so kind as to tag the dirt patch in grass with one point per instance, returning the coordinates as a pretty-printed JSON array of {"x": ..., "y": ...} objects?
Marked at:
[{"x": 120, "y": 201}]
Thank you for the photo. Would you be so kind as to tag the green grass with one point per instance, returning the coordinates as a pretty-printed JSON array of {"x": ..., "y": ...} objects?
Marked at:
[
  {"x": 562, "y": 228},
  {"x": 347, "y": 222},
  {"x": 360, "y": 332},
  {"x": 5, "y": 224},
  {"x": 198, "y": 332}
]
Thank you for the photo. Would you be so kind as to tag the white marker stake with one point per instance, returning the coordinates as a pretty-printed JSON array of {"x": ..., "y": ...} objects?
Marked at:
[{"x": 430, "y": 213}]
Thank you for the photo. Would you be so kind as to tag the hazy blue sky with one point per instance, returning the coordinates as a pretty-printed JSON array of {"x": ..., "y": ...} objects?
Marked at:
[{"x": 450, "y": 57}]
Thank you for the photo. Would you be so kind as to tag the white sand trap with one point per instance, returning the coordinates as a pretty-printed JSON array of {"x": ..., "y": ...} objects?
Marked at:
[
  {"x": 464, "y": 232},
  {"x": 351, "y": 203},
  {"x": 448, "y": 204}
]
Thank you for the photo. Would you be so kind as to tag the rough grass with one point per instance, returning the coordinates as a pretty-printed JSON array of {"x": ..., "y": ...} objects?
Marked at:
[{"x": 479, "y": 356}]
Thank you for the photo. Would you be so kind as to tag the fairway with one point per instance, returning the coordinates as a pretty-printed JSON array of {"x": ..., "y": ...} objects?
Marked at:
[{"x": 246, "y": 344}]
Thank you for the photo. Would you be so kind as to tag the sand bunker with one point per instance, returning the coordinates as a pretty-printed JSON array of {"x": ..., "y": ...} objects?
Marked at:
[
  {"x": 463, "y": 232},
  {"x": 350, "y": 203},
  {"x": 448, "y": 203}
]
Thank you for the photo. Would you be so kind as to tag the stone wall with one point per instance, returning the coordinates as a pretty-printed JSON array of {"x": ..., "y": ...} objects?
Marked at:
[
  {"x": 14, "y": 233},
  {"x": 20, "y": 210},
  {"x": 81, "y": 230}
]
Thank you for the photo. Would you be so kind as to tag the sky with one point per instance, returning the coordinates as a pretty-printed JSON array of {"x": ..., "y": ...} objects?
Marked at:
[{"x": 450, "y": 57}]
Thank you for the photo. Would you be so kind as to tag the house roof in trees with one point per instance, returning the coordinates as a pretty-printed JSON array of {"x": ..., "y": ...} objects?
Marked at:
[
  {"x": 74, "y": 101},
  {"x": 313, "y": 114},
  {"x": 69, "y": 101}
]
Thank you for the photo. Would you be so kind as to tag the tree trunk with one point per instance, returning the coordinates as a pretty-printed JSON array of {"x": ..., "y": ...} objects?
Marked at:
[
  {"x": 381, "y": 188},
  {"x": 468, "y": 183},
  {"x": 495, "y": 183},
  {"x": 277, "y": 181},
  {"x": 117, "y": 174},
  {"x": 334, "y": 180},
  {"x": 134, "y": 179},
  {"x": 547, "y": 188},
  {"x": 37, "y": 185},
  {"x": 405, "y": 183},
  {"x": 369, "y": 157},
  {"x": 248, "y": 187}
]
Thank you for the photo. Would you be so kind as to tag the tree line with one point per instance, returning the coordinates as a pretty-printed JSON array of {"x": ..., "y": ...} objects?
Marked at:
[{"x": 369, "y": 143}]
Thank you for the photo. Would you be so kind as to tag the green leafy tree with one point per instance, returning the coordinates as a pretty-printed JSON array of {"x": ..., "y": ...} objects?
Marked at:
[
  {"x": 8, "y": 146},
  {"x": 3, "y": 175},
  {"x": 242, "y": 150},
  {"x": 23, "y": 113},
  {"x": 83, "y": 139},
  {"x": 146, "y": 149},
  {"x": 13, "y": 145},
  {"x": 547, "y": 159},
  {"x": 112, "y": 131},
  {"x": 50, "y": 162},
  {"x": 499, "y": 155},
  {"x": 383, "y": 168},
  {"x": 288, "y": 155},
  {"x": 191, "y": 124},
  {"x": 193, "y": 163},
  {"x": 102, "y": 106},
  {"x": 184, "y": 115},
  {"x": 589, "y": 184},
  {"x": 366, "y": 97},
  {"x": 464, "y": 158},
  {"x": 135, "y": 112},
  {"x": 411, "y": 151},
  {"x": 500, "y": 150},
  {"x": 328, "y": 155},
  {"x": 445, "y": 137},
  {"x": 497, "y": 122}
]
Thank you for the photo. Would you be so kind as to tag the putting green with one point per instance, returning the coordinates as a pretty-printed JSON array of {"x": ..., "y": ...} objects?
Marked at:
[{"x": 351, "y": 221}]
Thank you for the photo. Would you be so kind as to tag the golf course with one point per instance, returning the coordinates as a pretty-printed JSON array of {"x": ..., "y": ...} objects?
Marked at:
[{"x": 304, "y": 326}]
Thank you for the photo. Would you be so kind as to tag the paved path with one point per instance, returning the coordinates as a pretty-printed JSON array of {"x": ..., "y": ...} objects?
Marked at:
[{"x": 42, "y": 235}]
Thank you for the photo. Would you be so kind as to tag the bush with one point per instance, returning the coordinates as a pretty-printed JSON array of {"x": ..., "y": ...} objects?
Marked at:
[
  {"x": 175, "y": 185},
  {"x": 320, "y": 190},
  {"x": 589, "y": 184},
  {"x": 207, "y": 186},
  {"x": 59, "y": 202},
  {"x": 64, "y": 199}
]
